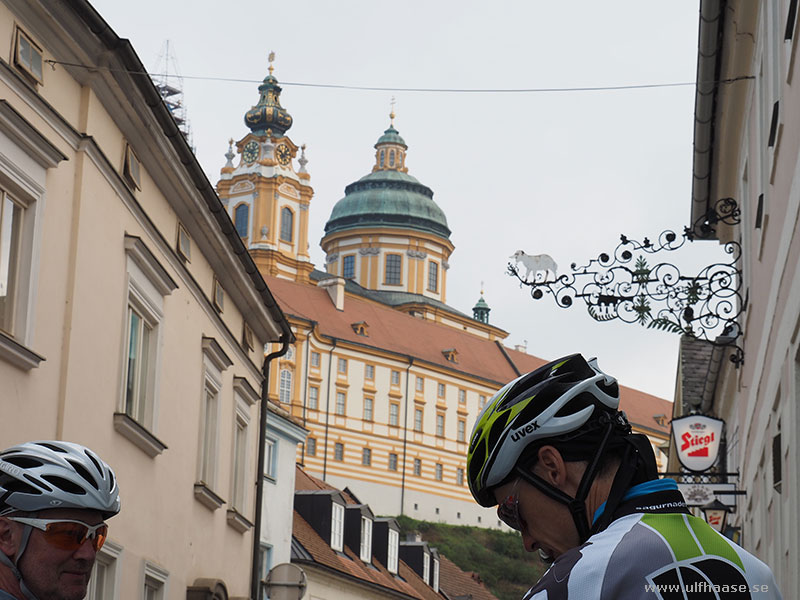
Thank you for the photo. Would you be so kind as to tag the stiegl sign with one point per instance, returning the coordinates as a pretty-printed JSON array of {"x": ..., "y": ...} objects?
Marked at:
[{"x": 697, "y": 439}]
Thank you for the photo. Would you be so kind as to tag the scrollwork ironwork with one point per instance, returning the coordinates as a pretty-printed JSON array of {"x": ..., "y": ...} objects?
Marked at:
[{"x": 625, "y": 285}]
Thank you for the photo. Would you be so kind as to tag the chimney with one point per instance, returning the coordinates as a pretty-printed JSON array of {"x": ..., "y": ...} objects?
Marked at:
[{"x": 335, "y": 288}]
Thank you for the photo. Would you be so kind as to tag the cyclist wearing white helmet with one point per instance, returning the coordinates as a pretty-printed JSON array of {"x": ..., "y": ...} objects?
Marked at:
[
  {"x": 54, "y": 499},
  {"x": 553, "y": 451}
]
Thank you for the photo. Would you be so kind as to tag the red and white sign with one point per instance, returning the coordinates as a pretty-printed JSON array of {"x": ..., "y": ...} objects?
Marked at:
[{"x": 697, "y": 440}]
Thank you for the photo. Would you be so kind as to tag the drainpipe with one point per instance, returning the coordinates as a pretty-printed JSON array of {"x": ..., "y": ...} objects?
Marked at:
[
  {"x": 305, "y": 388},
  {"x": 405, "y": 441},
  {"x": 262, "y": 434},
  {"x": 328, "y": 411}
]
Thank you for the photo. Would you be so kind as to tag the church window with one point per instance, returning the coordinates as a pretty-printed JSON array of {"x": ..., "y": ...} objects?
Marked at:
[
  {"x": 383, "y": 157},
  {"x": 349, "y": 266},
  {"x": 391, "y": 158},
  {"x": 287, "y": 224},
  {"x": 433, "y": 277},
  {"x": 241, "y": 219},
  {"x": 394, "y": 269}
]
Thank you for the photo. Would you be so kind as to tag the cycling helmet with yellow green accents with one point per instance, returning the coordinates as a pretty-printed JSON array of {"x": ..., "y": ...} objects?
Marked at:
[{"x": 553, "y": 403}]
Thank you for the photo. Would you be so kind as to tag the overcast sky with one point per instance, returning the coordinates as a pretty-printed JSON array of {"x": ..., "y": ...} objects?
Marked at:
[{"x": 562, "y": 173}]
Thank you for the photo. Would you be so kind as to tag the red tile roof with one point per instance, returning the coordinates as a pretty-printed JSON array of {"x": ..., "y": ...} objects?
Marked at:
[{"x": 457, "y": 584}]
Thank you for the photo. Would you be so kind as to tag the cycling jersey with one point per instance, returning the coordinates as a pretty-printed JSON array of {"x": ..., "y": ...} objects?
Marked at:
[{"x": 654, "y": 549}]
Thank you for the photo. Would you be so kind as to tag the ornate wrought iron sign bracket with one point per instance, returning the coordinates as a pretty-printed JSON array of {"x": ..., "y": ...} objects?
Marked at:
[{"x": 625, "y": 285}]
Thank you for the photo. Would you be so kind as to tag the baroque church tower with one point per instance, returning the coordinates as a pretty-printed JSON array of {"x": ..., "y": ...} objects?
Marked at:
[{"x": 266, "y": 197}]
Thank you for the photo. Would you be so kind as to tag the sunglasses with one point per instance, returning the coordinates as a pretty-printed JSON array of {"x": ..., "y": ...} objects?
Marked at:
[
  {"x": 508, "y": 509},
  {"x": 66, "y": 534}
]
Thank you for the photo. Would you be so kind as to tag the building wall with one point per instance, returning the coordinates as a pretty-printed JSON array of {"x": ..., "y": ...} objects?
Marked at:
[
  {"x": 97, "y": 247},
  {"x": 759, "y": 164}
]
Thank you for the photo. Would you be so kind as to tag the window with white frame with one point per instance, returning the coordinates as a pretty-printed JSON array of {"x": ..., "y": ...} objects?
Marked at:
[
  {"x": 440, "y": 390},
  {"x": 338, "y": 451},
  {"x": 26, "y": 157},
  {"x": 104, "y": 579},
  {"x": 460, "y": 476},
  {"x": 481, "y": 401},
  {"x": 420, "y": 384},
  {"x": 313, "y": 397},
  {"x": 342, "y": 366},
  {"x": 270, "y": 458},
  {"x": 287, "y": 224},
  {"x": 439, "y": 471},
  {"x": 366, "y": 457},
  {"x": 28, "y": 57},
  {"x": 393, "y": 274},
  {"x": 462, "y": 430},
  {"x": 395, "y": 377},
  {"x": 315, "y": 359},
  {"x": 417, "y": 467},
  {"x": 368, "y": 403},
  {"x": 349, "y": 266},
  {"x": 337, "y": 526},
  {"x": 392, "y": 461},
  {"x": 365, "y": 549},
  {"x": 311, "y": 447},
  {"x": 433, "y": 277},
  {"x": 341, "y": 400},
  {"x": 426, "y": 567},
  {"x": 435, "y": 582},
  {"x": 155, "y": 582},
  {"x": 264, "y": 566},
  {"x": 369, "y": 372},
  {"x": 417, "y": 419},
  {"x": 394, "y": 414},
  {"x": 285, "y": 392},
  {"x": 209, "y": 433},
  {"x": 393, "y": 554},
  {"x": 462, "y": 396},
  {"x": 148, "y": 284},
  {"x": 240, "y": 444},
  {"x": 440, "y": 425}
]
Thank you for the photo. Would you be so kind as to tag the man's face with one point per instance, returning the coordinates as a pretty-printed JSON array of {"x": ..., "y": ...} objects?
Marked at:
[
  {"x": 546, "y": 524},
  {"x": 55, "y": 574}
]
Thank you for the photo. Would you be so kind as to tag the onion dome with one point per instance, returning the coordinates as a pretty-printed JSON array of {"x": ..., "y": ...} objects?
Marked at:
[
  {"x": 389, "y": 196},
  {"x": 268, "y": 114}
]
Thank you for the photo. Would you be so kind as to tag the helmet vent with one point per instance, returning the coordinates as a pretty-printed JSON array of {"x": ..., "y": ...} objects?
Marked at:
[
  {"x": 23, "y": 462},
  {"x": 64, "y": 484},
  {"x": 52, "y": 447},
  {"x": 15, "y": 485},
  {"x": 38, "y": 483},
  {"x": 81, "y": 470}
]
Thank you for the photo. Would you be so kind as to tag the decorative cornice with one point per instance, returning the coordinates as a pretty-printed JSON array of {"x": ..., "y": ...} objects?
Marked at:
[
  {"x": 369, "y": 251},
  {"x": 417, "y": 254}
]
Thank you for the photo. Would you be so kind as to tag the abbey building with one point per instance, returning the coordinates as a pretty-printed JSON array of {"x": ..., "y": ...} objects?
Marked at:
[{"x": 387, "y": 377}]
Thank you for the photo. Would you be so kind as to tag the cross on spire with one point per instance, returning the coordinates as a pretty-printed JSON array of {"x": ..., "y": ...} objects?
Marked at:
[{"x": 391, "y": 114}]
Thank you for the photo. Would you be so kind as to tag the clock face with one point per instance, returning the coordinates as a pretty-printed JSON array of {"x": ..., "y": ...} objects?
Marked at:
[
  {"x": 283, "y": 154},
  {"x": 250, "y": 153}
]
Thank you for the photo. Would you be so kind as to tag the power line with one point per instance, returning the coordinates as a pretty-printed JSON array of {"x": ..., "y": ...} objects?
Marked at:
[{"x": 368, "y": 88}]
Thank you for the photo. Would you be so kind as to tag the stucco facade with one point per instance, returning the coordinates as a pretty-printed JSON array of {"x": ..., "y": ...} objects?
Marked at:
[
  {"x": 747, "y": 147},
  {"x": 130, "y": 323}
]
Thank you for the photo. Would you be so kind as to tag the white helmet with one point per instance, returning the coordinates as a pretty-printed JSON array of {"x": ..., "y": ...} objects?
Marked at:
[{"x": 51, "y": 474}]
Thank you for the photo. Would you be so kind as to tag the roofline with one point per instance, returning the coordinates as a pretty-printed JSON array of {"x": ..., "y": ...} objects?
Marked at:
[{"x": 127, "y": 55}]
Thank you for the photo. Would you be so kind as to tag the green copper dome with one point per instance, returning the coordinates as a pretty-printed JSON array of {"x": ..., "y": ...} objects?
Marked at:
[
  {"x": 390, "y": 136},
  {"x": 388, "y": 198}
]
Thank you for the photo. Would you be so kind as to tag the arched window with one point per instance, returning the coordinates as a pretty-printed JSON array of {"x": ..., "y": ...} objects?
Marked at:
[
  {"x": 391, "y": 158},
  {"x": 240, "y": 217},
  {"x": 285, "y": 394},
  {"x": 383, "y": 157},
  {"x": 287, "y": 224}
]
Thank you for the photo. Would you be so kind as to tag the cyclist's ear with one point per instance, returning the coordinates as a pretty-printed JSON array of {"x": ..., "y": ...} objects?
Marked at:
[
  {"x": 10, "y": 534},
  {"x": 551, "y": 466}
]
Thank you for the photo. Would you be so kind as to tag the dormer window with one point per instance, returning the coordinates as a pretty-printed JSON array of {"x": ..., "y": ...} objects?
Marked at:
[
  {"x": 360, "y": 328},
  {"x": 337, "y": 527},
  {"x": 435, "y": 582},
  {"x": 366, "y": 540},
  {"x": 394, "y": 544},
  {"x": 450, "y": 355},
  {"x": 426, "y": 567}
]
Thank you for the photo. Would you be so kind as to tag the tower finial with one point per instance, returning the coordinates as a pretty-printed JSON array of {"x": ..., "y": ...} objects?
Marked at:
[
  {"x": 391, "y": 114},
  {"x": 481, "y": 288},
  {"x": 271, "y": 59}
]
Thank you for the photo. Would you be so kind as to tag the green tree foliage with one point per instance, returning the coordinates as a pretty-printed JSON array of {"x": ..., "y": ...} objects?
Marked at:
[{"x": 497, "y": 556}]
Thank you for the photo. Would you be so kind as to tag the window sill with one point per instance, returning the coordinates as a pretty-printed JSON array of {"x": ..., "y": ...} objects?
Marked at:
[
  {"x": 138, "y": 435},
  {"x": 18, "y": 355},
  {"x": 206, "y": 497},
  {"x": 238, "y": 521}
]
